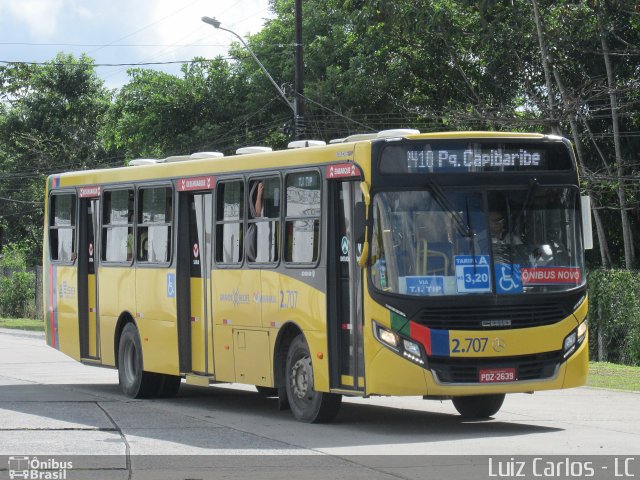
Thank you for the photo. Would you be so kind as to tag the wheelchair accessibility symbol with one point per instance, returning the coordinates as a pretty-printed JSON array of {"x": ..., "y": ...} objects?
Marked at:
[
  {"x": 171, "y": 285},
  {"x": 508, "y": 278}
]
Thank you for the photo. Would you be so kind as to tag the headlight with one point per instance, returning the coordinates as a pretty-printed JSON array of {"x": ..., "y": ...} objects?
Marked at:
[
  {"x": 574, "y": 339},
  {"x": 570, "y": 343},
  {"x": 388, "y": 337},
  {"x": 402, "y": 346},
  {"x": 582, "y": 331}
]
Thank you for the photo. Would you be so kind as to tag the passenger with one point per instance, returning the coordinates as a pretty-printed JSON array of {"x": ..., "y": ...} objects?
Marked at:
[{"x": 256, "y": 207}]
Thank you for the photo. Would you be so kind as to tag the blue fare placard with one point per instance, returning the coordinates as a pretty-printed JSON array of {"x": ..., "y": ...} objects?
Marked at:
[
  {"x": 473, "y": 274},
  {"x": 425, "y": 285},
  {"x": 508, "y": 278}
]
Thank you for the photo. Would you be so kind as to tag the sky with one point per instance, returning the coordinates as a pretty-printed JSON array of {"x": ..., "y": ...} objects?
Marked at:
[{"x": 124, "y": 32}]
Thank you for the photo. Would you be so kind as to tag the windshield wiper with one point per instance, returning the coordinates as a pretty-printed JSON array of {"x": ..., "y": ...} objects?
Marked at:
[
  {"x": 464, "y": 229},
  {"x": 533, "y": 186}
]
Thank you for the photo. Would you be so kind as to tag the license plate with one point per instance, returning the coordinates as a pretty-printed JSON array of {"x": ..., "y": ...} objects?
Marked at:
[{"x": 497, "y": 375}]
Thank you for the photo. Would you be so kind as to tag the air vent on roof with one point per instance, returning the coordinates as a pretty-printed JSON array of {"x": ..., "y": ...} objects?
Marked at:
[
  {"x": 306, "y": 143},
  {"x": 177, "y": 158},
  {"x": 360, "y": 136},
  {"x": 397, "y": 132},
  {"x": 142, "y": 161},
  {"x": 206, "y": 155},
  {"x": 248, "y": 150}
]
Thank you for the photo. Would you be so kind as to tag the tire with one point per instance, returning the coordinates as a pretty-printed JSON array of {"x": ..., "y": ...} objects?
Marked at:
[
  {"x": 134, "y": 381},
  {"x": 168, "y": 385},
  {"x": 306, "y": 404},
  {"x": 478, "y": 406},
  {"x": 267, "y": 392}
]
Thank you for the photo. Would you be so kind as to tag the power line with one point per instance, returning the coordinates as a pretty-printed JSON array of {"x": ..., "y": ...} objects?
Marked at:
[
  {"x": 109, "y": 45},
  {"x": 139, "y": 64}
]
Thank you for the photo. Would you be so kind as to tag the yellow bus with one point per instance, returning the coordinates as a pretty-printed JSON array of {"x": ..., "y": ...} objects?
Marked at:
[{"x": 442, "y": 265}]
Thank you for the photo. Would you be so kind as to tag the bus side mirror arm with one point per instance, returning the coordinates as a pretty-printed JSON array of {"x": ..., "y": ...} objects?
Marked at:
[
  {"x": 360, "y": 224},
  {"x": 587, "y": 229}
]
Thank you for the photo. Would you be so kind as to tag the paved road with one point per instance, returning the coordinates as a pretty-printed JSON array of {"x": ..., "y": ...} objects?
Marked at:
[{"x": 52, "y": 406}]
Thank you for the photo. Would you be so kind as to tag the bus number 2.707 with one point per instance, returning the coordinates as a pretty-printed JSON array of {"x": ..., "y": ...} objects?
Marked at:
[
  {"x": 469, "y": 344},
  {"x": 288, "y": 298}
]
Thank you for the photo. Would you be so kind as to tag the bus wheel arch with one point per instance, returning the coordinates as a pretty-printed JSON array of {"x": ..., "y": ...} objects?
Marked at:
[
  {"x": 123, "y": 320},
  {"x": 286, "y": 334}
]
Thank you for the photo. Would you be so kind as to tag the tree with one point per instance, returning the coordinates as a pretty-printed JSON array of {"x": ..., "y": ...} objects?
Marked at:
[{"x": 49, "y": 124}]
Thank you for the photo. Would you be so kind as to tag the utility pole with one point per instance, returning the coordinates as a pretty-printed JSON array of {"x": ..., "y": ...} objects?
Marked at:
[{"x": 299, "y": 75}]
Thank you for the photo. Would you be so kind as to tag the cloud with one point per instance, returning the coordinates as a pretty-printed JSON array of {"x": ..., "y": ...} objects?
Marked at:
[{"x": 42, "y": 18}]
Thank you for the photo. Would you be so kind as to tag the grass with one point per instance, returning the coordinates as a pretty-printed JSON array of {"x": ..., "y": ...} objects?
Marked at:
[
  {"x": 22, "y": 324},
  {"x": 611, "y": 375}
]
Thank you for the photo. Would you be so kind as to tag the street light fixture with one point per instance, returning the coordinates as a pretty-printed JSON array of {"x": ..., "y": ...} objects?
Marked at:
[{"x": 292, "y": 105}]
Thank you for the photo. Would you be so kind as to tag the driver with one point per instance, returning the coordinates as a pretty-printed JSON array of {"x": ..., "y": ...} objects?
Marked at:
[{"x": 501, "y": 239}]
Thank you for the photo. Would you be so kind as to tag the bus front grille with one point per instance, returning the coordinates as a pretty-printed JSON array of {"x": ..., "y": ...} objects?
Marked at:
[
  {"x": 493, "y": 317},
  {"x": 466, "y": 370}
]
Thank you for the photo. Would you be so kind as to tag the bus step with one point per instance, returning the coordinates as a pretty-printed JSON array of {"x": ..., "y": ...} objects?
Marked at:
[
  {"x": 348, "y": 392},
  {"x": 200, "y": 380}
]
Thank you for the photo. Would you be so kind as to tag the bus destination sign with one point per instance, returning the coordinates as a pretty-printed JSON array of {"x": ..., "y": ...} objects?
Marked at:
[
  {"x": 471, "y": 160},
  {"x": 473, "y": 157}
]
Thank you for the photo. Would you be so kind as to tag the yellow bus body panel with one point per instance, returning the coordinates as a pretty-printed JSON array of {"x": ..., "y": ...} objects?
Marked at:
[
  {"x": 66, "y": 293},
  {"x": 155, "y": 316}
]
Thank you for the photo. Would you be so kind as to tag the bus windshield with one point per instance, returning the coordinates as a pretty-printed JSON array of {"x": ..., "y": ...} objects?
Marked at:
[{"x": 443, "y": 242}]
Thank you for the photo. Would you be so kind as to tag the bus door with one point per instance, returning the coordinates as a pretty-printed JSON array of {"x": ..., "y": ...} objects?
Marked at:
[
  {"x": 87, "y": 255},
  {"x": 344, "y": 283},
  {"x": 195, "y": 327}
]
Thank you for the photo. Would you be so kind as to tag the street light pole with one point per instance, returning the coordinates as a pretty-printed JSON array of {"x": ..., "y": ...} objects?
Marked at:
[
  {"x": 299, "y": 74},
  {"x": 292, "y": 105}
]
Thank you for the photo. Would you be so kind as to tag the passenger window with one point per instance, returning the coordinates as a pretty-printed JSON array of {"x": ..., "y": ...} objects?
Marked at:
[
  {"x": 229, "y": 220},
  {"x": 62, "y": 227},
  {"x": 302, "y": 221},
  {"x": 117, "y": 226},
  {"x": 154, "y": 225},
  {"x": 263, "y": 222}
]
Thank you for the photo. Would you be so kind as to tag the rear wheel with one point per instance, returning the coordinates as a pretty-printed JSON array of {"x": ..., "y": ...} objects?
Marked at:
[
  {"x": 134, "y": 381},
  {"x": 306, "y": 404},
  {"x": 478, "y": 406}
]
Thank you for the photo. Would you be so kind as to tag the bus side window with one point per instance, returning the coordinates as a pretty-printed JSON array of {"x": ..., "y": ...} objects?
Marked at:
[
  {"x": 229, "y": 221},
  {"x": 154, "y": 225},
  {"x": 62, "y": 227},
  {"x": 117, "y": 226},
  {"x": 263, "y": 221},
  {"x": 302, "y": 218}
]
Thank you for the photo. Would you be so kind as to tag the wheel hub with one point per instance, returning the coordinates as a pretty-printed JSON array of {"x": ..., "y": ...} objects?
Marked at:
[{"x": 301, "y": 377}]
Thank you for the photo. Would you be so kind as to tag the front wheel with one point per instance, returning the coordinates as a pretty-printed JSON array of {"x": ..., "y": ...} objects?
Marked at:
[
  {"x": 306, "y": 404},
  {"x": 478, "y": 406}
]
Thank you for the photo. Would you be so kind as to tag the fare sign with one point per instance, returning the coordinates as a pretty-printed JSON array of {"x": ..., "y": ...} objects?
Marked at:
[{"x": 196, "y": 183}]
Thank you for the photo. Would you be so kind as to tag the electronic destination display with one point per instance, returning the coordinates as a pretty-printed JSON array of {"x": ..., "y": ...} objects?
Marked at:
[{"x": 467, "y": 157}]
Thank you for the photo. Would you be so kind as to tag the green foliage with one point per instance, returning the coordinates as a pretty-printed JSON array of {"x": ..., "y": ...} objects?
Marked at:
[
  {"x": 49, "y": 124},
  {"x": 17, "y": 285},
  {"x": 614, "y": 318}
]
